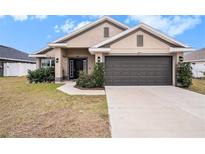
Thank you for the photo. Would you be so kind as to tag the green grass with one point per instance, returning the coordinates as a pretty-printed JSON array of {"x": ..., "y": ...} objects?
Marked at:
[
  {"x": 39, "y": 110},
  {"x": 198, "y": 85}
]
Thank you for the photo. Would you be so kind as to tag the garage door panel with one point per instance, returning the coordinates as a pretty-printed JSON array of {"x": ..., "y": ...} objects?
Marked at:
[
  {"x": 139, "y": 70},
  {"x": 137, "y": 73}
]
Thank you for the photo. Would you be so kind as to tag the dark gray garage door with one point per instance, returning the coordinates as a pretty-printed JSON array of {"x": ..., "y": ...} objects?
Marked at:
[{"x": 138, "y": 70}]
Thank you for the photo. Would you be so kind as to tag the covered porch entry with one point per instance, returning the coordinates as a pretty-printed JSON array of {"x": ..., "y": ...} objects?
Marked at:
[
  {"x": 75, "y": 66},
  {"x": 68, "y": 62}
]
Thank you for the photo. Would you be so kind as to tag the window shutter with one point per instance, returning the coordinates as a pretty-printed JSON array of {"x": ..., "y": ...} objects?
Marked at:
[
  {"x": 106, "y": 31},
  {"x": 140, "y": 40}
]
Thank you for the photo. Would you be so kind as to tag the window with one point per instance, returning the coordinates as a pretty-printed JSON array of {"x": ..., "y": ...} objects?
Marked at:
[
  {"x": 47, "y": 62},
  {"x": 140, "y": 40},
  {"x": 106, "y": 31}
]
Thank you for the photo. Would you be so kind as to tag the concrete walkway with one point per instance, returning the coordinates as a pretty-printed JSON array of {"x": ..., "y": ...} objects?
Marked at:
[
  {"x": 69, "y": 88},
  {"x": 155, "y": 111}
]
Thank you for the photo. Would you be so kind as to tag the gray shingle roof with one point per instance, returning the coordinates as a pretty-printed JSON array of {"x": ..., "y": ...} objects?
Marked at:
[
  {"x": 11, "y": 53},
  {"x": 195, "y": 55}
]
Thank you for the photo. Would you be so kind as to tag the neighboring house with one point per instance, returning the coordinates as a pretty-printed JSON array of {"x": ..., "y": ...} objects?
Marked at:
[
  {"x": 197, "y": 60},
  {"x": 133, "y": 56},
  {"x": 14, "y": 62}
]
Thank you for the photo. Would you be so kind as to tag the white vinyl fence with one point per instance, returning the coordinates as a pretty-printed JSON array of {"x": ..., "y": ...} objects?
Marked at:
[
  {"x": 18, "y": 69},
  {"x": 198, "y": 69}
]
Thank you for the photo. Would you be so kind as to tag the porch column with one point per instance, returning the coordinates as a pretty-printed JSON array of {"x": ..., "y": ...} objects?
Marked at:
[
  {"x": 58, "y": 64},
  {"x": 174, "y": 65},
  {"x": 38, "y": 63},
  {"x": 176, "y": 61}
]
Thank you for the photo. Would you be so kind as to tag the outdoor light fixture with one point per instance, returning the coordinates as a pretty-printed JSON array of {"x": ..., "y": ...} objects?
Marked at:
[
  {"x": 99, "y": 59},
  {"x": 181, "y": 59},
  {"x": 57, "y": 59}
]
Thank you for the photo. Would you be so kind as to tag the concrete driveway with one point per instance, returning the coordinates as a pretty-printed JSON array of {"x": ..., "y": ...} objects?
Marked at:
[{"x": 155, "y": 111}]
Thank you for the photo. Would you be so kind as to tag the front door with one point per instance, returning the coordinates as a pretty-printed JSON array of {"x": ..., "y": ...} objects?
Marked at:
[{"x": 75, "y": 66}]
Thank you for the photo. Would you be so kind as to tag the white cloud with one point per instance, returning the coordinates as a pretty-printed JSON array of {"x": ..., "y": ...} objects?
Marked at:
[
  {"x": 49, "y": 36},
  {"x": 26, "y": 17},
  {"x": 93, "y": 16},
  {"x": 20, "y": 17},
  {"x": 69, "y": 26},
  {"x": 66, "y": 27},
  {"x": 81, "y": 24},
  {"x": 172, "y": 25},
  {"x": 40, "y": 17}
]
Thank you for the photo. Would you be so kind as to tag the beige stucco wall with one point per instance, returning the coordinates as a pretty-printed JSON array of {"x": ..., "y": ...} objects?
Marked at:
[
  {"x": 129, "y": 44},
  {"x": 50, "y": 53},
  {"x": 93, "y": 36},
  {"x": 58, "y": 65},
  {"x": 38, "y": 63}
]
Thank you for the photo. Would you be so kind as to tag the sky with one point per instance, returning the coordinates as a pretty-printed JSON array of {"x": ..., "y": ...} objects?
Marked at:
[{"x": 31, "y": 33}]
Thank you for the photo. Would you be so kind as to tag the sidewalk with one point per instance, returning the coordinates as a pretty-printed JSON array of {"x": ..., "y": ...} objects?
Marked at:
[{"x": 69, "y": 88}]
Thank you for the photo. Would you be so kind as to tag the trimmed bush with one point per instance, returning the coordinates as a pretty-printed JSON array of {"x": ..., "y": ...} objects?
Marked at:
[
  {"x": 184, "y": 74},
  {"x": 95, "y": 80},
  {"x": 41, "y": 75},
  {"x": 98, "y": 74},
  {"x": 85, "y": 80}
]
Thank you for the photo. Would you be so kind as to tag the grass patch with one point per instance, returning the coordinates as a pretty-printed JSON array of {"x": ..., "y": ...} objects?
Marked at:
[
  {"x": 39, "y": 110},
  {"x": 198, "y": 85}
]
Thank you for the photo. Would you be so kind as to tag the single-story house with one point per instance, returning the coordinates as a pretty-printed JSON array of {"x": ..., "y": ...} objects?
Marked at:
[
  {"x": 14, "y": 62},
  {"x": 197, "y": 60},
  {"x": 140, "y": 55}
]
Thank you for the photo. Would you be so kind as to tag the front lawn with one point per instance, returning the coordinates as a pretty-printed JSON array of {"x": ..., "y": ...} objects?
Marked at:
[
  {"x": 198, "y": 85},
  {"x": 39, "y": 110}
]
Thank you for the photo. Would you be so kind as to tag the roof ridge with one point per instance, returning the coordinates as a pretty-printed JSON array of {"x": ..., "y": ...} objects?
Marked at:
[
  {"x": 14, "y": 49},
  {"x": 88, "y": 25},
  {"x": 13, "y": 53}
]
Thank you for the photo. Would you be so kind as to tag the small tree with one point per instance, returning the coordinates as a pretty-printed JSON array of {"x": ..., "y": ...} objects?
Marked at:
[{"x": 184, "y": 74}]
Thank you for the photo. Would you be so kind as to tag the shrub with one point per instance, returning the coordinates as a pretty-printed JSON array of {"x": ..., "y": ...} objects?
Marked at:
[
  {"x": 96, "y": 79},
  {"x": 85, "y": 80},
  {"x": 98, "y": 74},
  {"x": 41, "y": 75},
  {"x": 184, "y": 74}
]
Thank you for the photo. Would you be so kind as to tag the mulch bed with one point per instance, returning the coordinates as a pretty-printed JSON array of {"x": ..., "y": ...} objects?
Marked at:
[{"x": 82, "y": 88}]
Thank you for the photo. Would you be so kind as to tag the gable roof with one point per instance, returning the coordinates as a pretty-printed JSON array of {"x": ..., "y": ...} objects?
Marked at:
[
  {"x": 89, "y": 25},
  {"x": 146, "y": 28},
  {"x": 86, "y": 27},
  {"x": 198, "y": 55},
  {"x": 9, "y": 53}
]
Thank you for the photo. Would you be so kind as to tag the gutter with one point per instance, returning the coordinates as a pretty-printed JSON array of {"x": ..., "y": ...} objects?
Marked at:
[
  {"x": 174, "y": 50},
  {"x": 18, "y": 60},
  {"x": 99, "y": 50}
]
